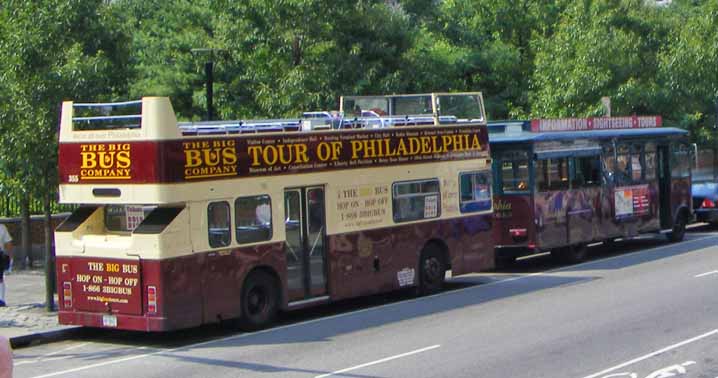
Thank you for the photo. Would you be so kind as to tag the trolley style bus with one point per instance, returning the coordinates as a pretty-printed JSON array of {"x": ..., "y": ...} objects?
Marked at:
[
  {"x": 182, "y": 224},
  {"x": 560, "y": 184}
]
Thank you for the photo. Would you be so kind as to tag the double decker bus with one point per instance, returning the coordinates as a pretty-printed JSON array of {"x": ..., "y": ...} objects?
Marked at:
[
  {"x": 182, "y": 224},
  {"x": 560, "y": 184}
]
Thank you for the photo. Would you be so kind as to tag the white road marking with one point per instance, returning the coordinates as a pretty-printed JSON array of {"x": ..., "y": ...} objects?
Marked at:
[
  {"x": 653, "y": 354},
  {"x": 379, "y": 361},
  {"x": 99, "y": 364},
  {"x": 312, "y": 321},
  {"x": 706, "y": 274},
  {"x": 44, "y": 358}
]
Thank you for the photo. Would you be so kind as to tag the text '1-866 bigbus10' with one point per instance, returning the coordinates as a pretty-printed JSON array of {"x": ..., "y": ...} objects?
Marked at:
[
  {"x": 560, "y": 184},
  {"x": 182, "y": 224}
]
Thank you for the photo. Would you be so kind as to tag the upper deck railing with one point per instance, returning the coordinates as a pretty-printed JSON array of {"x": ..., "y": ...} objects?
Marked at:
[{"x": 132, "y": 117}]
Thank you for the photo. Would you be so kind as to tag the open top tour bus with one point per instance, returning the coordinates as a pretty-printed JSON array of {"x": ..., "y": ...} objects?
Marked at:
[{"x": 182, "y": 224}]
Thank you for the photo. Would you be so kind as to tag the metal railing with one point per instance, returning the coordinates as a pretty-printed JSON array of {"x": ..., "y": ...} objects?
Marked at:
[{"x": 10, "y": 206}]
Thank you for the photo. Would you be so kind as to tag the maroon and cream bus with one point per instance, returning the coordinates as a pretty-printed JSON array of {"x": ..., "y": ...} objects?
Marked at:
[
  {"x": 182, "y": 224},
  {"x": 560, "y": 184}
]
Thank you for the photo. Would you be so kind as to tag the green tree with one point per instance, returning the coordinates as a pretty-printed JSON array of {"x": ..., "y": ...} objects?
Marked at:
[
  {"x": 293, "y": 55},
  {"x": 688, "y": 68},
  {"x": 600, "y": 48},
  {"x": 50, "y": 50},
  {"x": 164, "y": 33},
  {"x": 481, "y": 45}
]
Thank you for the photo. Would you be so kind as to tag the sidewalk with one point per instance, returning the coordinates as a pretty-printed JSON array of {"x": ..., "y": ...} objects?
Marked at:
[{"x": 25, "y": 318}]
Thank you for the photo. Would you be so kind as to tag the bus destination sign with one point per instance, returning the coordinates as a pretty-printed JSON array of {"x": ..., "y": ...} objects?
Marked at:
[{"x": 597, "y": 123}]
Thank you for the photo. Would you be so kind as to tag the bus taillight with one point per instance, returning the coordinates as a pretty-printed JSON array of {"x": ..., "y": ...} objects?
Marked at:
[
  {"x": 67, "y": 294},
  {"x": 151, "y": 299},
  {"x": 707, "y": 204}
]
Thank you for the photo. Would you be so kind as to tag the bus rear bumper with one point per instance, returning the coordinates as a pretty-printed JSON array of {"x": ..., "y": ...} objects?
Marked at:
[
  {"x": 512, "y": 251},
  {"x": 124, "y": 322}
]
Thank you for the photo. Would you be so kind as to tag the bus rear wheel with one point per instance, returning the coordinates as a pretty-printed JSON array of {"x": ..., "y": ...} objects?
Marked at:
[
  {"x": 572, "y": 254},
  {"x": 432, "y": 271},
  {"x": 260, "y": 301},
  {"x": 679, "y": 229}
]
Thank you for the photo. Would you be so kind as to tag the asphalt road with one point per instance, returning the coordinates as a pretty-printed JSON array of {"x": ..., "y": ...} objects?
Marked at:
[{"x": 649, "y": 312}]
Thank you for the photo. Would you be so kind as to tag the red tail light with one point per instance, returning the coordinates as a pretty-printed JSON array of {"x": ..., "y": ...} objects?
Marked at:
[
  {"x": 151, "y": 300},
  {"x": 67, "y": 294},
  {"x": 708, "y": 204}
]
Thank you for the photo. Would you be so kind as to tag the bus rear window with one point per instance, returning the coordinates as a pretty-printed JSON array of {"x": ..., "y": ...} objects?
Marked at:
[
  {"x": 109, "y": 116},
  {"x": 125, "y": 218}
]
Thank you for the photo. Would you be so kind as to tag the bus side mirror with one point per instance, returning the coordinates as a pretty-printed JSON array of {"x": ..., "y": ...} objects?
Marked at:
[{"x": 694, "y": 151}]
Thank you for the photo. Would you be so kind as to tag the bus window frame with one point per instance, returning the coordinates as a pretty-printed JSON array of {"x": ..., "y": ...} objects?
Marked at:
[
  {"x": 395, "y": 197},
  {"x": 676, "y": 163},
  {"x": 555, "y": 160},
  {"x": 475, "y": 205},
  {"x": 209, "y": 222},
  {"x": 146, "y": 209},
  {"x": 499, "y": 175},
  {"x": 270, "y": 226},
  {"x": 574, "y": 166}
]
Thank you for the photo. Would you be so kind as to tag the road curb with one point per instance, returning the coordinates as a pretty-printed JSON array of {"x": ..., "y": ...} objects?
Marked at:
[{"x": 43, "y": 337}]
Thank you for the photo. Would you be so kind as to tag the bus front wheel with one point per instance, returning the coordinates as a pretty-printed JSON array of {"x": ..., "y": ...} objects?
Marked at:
[
  {"x": 432, "y": 270},
  {"x": 260, "y": 301}
]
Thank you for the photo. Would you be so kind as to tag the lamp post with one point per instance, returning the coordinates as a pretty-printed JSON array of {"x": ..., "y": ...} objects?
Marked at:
[{"x": 208, "y": 72}]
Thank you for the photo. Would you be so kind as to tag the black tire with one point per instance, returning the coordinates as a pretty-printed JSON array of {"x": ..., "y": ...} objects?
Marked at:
[
  {"x": 679, "y": 229},
  {"x": 502, "y": 262},
  {"x": 432, "y": 271},
  {"x": 260, "y": 301},
  {"x": 571, "y": 255}
]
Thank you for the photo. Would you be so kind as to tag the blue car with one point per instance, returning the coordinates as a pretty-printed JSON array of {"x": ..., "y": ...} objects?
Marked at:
[{"x": 705, "y": 201}]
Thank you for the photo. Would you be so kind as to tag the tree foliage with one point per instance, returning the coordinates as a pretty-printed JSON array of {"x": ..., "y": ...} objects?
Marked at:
[{"x": 50, "y": 50}]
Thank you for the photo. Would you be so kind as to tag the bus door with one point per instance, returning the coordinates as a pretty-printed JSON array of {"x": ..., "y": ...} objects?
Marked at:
[
  {"x": 304, "y": 246},
  {"x": 664, "y": 186}
]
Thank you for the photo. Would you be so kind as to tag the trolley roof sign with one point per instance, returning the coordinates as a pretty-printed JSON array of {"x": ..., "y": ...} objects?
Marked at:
[
  {"x": 598, "y": 123},
  {"x": 141, "y": 142}
]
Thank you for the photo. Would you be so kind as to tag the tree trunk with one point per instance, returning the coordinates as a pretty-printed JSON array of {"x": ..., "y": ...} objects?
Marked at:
[
  {"x": 25, "y": 258},
  {"x": 49, "y": 255}
]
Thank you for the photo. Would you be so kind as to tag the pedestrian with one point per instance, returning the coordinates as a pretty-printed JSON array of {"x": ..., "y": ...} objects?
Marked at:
[{"x": 5, "y": 258}]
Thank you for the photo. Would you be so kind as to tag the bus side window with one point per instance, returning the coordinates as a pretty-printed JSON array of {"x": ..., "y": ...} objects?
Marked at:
[
  {"x": 552, "y": 174},
  {"x": 650, "y": 161},
  {"x": 586, "y": 172},
  {"x": 622, "y": 169},
  {"x": 637, "y": 164},
  {"x": 253, "y": 219},
  {"x": 542, "y": 181},
  {"x": 475, "y": 190},
  {"x": 414, "y": 200},
  {"x": 680, "y": 161},
  {"x": 218, "y": 223}
]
